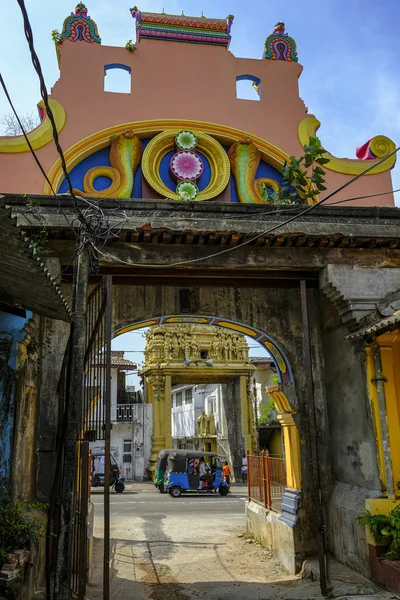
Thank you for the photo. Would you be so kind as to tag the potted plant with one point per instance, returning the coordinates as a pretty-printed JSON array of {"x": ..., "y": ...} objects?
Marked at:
[
  {"x": 386, "y": 530},
  {"x": 385, "y": 564}
]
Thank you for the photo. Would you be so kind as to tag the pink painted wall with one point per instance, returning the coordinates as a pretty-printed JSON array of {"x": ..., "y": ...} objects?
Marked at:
[{"x": 176, "y": 80}]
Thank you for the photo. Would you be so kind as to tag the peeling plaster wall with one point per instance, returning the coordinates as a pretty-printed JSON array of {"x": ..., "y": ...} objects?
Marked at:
[{"x": 17, "y": 412}]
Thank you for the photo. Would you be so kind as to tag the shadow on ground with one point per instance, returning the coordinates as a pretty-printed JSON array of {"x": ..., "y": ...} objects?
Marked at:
[{"x": 126, "y": 589}]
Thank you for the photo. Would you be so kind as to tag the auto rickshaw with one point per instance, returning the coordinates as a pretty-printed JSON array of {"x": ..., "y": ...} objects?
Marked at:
[
  {"x": 161, "y": 467},
  {"x": 117, "y": 482},
  {"x": 183, "y": 473}
]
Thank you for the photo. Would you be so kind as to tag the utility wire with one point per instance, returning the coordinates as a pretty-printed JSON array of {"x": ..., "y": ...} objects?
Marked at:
[
  {"x": 92, "y": 219},
  {"x": 3, "y": 85},
  {"x": 99, "y": 219},
  {"x": 263, "y": 233},
  {"x": 43, "y": 91}
]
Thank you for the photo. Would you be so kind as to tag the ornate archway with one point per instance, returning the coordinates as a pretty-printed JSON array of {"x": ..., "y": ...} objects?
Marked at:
[{"x": 162, "y": 408}]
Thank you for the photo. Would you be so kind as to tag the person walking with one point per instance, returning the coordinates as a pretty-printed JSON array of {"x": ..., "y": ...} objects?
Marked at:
[
  {"x": 244, "y": 469},
  {"x": 227, "y": 472}
]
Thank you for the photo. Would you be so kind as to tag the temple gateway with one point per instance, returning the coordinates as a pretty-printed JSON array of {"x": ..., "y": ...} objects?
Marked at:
[{"x": 211, "y": 229}]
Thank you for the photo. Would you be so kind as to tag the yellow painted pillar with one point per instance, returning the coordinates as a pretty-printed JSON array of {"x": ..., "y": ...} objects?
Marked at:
[
  {"x": 244, "y": 401},
  {"x": 167, "y": 411},
  {"x": 291, "y": 440},
  {"x": 292, "y": 451},
  {"x": 154, "y": 396}
]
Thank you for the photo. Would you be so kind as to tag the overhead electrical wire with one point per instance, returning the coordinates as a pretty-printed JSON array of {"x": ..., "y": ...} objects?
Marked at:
[
  {"x": 263, "y": 233},
  {"x": 93, "y": 222},
  {"x": 96, "y": 225}
]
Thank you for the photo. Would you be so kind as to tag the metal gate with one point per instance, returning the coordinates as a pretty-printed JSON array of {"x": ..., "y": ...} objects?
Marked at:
[{"x": 95, "y": 419}]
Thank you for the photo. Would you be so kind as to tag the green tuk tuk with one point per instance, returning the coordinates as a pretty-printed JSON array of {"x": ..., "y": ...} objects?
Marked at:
[{"x": 161, "y": 467}]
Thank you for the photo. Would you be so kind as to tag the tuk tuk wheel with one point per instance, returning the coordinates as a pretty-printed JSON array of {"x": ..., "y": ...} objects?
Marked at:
[
  {"x": 224, "y": 490},
  {"x": 161, "y": 488},
  {"x": 175, "y": 492},
  {"x": 119, "y": 487}
]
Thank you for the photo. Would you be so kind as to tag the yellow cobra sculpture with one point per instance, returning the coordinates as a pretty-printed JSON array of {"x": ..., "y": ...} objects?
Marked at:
[
  {"x": 125, "y": 155},
  {"x": 244, "y": 157}
]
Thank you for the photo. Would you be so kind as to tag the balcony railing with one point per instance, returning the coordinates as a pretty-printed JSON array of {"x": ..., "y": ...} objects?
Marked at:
[
  {"x": 125, "y": 397},
  {"x": 128, "y": 413}
]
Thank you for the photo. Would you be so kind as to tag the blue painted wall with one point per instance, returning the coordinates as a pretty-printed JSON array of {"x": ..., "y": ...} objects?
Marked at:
[
  {"x": 101, "y": 158},
  {"x": 11, "y": 329}
]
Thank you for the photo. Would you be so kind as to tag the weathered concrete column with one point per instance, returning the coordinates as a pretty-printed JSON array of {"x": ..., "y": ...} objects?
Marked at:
[
  {"x": 233, "y": 416},
  {"x": 167, "y": 412},
  {"x": 244, "y": 403},
  {"x": 55, "y": 336}
]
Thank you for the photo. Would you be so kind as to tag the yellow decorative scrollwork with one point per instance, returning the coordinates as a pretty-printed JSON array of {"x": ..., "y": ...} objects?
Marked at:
[
  {"x": 164, "y": 142},
  {"x": 40, "y": 136},
  {"x": 380, "y": 146},
  {"x": 125, "y": 154}
]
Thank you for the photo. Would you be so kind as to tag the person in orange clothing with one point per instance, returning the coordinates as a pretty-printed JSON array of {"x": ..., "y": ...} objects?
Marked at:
[{"x": 227, "y": 472}]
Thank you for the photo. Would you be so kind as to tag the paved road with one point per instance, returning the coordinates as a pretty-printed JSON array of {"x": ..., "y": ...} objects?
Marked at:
[
  {"x": 143, "y": 499},
  {"x": 195, "y": 548}
]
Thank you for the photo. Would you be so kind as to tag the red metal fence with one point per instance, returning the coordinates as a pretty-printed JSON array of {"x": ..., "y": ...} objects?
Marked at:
[{"x": 266, "y": 480}]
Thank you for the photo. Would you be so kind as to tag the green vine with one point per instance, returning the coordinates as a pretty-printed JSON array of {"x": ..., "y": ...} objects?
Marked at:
[
  {"x": 56, "y": 37},
  {"x": 130, "y": 46},
  {"x": 303, "y": 178},
  {"x": 38, "y": 240}
]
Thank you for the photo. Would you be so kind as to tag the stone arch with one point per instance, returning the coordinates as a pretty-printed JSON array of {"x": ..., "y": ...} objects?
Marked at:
[
  {"x": 281, "y": 362},
  {"x": 280, "y": 399}
]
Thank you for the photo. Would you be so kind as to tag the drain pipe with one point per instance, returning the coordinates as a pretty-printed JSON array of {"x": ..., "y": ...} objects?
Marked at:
[
  {"x": 312, "y": 420},
  {"x": 379, "y": 380}
]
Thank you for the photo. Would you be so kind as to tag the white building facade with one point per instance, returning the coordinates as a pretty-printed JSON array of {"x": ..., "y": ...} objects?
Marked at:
[
  {"x": 131, "y": 423},
  {"x": 189, "y": 403}
]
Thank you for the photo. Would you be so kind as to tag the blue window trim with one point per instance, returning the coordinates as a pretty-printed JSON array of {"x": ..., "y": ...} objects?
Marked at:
[
  {"x": 247, "y": 77},
  {"x": 117, "y": 66}
]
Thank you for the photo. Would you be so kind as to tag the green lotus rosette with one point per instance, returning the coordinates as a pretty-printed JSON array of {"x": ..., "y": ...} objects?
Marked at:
[
  {"x": 186, "y": 140},
  {"x": 187, "y": 190}
]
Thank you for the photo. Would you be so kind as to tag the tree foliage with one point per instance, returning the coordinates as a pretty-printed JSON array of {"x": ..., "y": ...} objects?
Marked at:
[
  {"x": 303, "y": 178},
  {"x": 10, "y": 126}
]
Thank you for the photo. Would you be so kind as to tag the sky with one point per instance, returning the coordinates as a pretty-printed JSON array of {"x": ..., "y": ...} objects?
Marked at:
[
  {"x": 348, "y": 48},
  {"x": 133, "y": 344}
]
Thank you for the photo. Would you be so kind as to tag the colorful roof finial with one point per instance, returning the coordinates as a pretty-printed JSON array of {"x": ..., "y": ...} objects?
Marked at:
[
  {"x": 79, "y": 26},
  {"x": 280, "y": 46},
  {"x": 81, "y": 9},
  {"x": 229, "y": 21},
  {"x": 181, "y": 28},
  {"x": 135, "y": 12}
]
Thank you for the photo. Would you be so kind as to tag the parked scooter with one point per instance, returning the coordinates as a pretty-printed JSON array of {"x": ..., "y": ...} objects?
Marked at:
[
  {"x": 119, "y": 485},
  {"x": 117, "y": 482}
]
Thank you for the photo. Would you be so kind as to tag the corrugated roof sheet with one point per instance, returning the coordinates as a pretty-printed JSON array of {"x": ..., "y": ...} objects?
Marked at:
[
  {"x": 24, "y": 279},
  {"x": 386, "y": 324}
]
